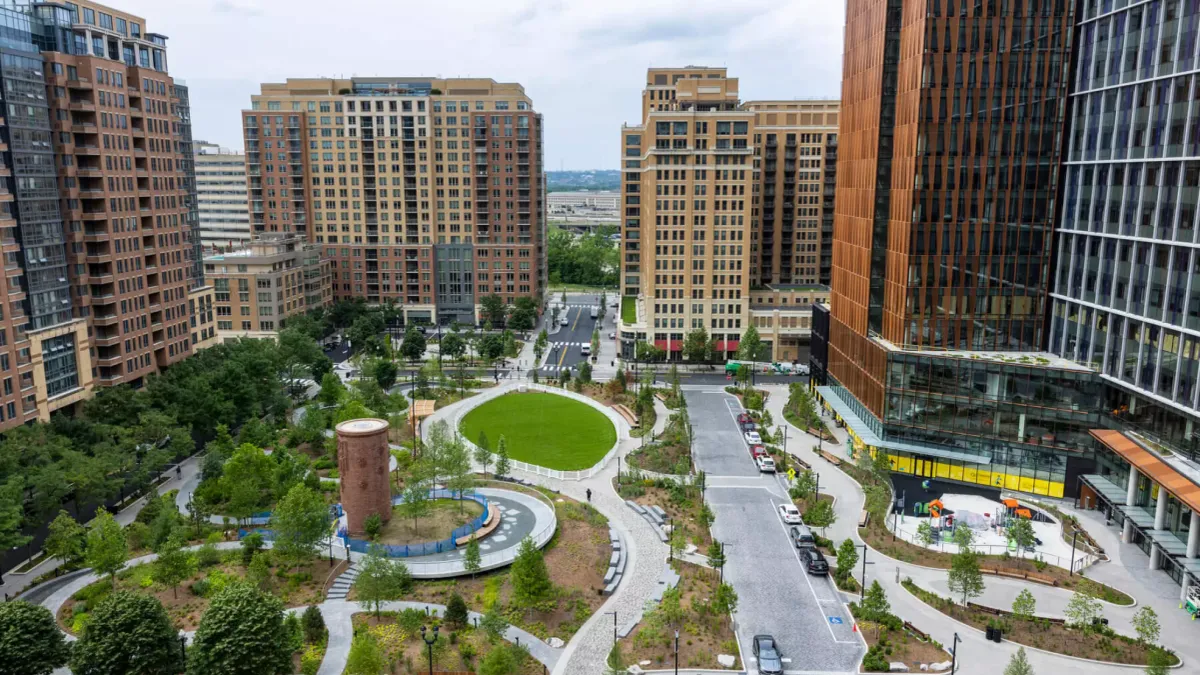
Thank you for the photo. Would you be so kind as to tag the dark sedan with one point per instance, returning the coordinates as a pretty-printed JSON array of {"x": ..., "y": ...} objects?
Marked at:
[
  {"x": 766, "y": 652},
  {"x": 814, "y": 561}
]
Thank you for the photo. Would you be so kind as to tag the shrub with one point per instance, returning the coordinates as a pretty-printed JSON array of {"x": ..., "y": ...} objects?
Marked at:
[
  {"x": 310, "y": 660},
  {"x": 207, "y": 555},
  {"x": 314, "y": 625},
  {"x": 373, "y": 525},
  {"x": 456, "y": 611},
  {"x": 201, "y": 588},
  {"x": 137, "y": 534}
]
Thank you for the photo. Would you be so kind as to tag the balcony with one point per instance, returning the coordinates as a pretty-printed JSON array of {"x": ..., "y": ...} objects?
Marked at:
[
  {"x": 80, "y": 83},
  {"x": 82, "y": 105}
]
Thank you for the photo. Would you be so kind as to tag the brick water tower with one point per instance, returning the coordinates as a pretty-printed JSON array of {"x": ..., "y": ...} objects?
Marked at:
[{"x": 363, "y": 469}]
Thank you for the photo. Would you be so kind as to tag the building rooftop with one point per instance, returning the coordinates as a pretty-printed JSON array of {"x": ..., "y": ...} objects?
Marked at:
[{"x": 1042, "y": 359}]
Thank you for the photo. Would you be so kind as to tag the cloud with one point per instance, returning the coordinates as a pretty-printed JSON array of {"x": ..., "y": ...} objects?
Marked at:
[{"x": 244, "y": 7}]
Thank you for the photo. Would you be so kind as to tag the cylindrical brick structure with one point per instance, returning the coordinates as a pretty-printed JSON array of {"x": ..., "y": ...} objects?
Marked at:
[{"x": 363, "y": 470}]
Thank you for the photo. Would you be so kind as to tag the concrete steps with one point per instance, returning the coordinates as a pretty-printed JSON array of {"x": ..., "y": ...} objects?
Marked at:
[{"x": 341, "y": 585}]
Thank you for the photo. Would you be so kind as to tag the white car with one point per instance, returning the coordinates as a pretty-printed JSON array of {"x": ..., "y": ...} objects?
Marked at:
[
  {"x": 586, "y": 350},
  {"x": 753, "y": 438},
  {"x": 790, "y": 514},
  {"x": 765, "y": 464},
  {"x": 565, "y": 321}
]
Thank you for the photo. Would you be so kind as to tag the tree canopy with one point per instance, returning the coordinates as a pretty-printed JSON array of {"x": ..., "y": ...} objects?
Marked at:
[
  {"x": 590, "y": 259},
  {"x": 128, "y": 633},
  {"x": 241, "y": 633}
]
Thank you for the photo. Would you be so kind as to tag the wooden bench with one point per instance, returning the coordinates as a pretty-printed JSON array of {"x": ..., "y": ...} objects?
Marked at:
[
  {"x": 921, "y": 635},
  {"x": 489, "y": 525},
  {"x": 625, "y": 412},
  {"x": 662, "y": 396},
  {"x": 863, "y": 518}
]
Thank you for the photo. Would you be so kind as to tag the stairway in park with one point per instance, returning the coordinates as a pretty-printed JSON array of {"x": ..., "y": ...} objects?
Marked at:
[{"x": 341, "y": 585}]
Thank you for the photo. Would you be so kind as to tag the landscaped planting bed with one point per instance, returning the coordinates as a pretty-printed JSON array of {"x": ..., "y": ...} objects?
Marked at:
[
  {"x": 459, "y": 648},
  {"x": 445, "y": 515},
  {"x": 1100, "y": 643},
  {"x": 681, "y": 502},
  {"x": 548, "y": 430}
]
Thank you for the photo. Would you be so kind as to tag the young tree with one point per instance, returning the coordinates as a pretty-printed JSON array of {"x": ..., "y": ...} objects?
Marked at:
[
  {"x": 1145, "y": 622},
  {"x": 963, "y": 536},
  {"x": 384, "y": 371},
  {"x": 502, "y": 463},
  {"x": 1018, "y": 664},
  {"x": 332, "y": 389},
  {"x": 258, "y": 574},
  {"x": 106, "y": 548},
  {"x": 456, "y": 467},
  {"x": 472, "y": 560},
  {"x": 314, "y": 625},
  {"x": 964, "y": 577},
  {"x": 695, "y": 345},
  {"x": 174, "y": 565},
  {"x": 366, "y": 656},
  {"x": 847, "y": 558},
  {"x": 128, "y": 633},
  {"x": 498, "y": 661},
  {"x": 1083, "y": 608},
  {"x": 585, "y": 373},
  {"x": 483, "y": 451},
  {"x": 372, "y": 526},
  {"x": 1020, "y": 533},
  {"x": 750, "y": 347},
  {"x": 924, "y": 533},
  {"x": 413, "y": 346},
  {"x": 820, "y": 514},
  {"x": 380, "y": 579},
  {"x": 241, "y": 633},
  {"x": 716, "y": 555},
  {"x": 493, "y": 624},
  {"x": 529, "y": 576},
  {"x": 453, "y": 345},
  {"x": 66, "y": 538},
  {"x": 1024, "y": 605},
  {"x": 875, "y": 602},
  {"x": 300, "y": 522},
  {"x": 30, "y": 641},
  {"x": 806, "y": 484},
  {"x": 416, "y": 500},
  {"x": 725, "y": 600},
  {"x": 456, "y": 611}
]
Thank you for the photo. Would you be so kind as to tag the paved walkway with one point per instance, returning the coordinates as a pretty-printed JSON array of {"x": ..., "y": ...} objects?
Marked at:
[
  {"x": 14, "y": 583},
  {"x": 979, "y": 656}
]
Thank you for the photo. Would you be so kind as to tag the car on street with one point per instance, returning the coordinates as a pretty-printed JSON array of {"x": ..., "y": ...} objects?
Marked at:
[
  {"x": 765, "y": 464},
  {"x": 753, "y": 438},
  {"x": 757, "y": 451},
  {"x": 612, "y": 336},
  {"x": 586, "y": 350},
  {"x": 802, "y": 537},
  {"x": 565, "y": 321},
  {"x": 814, "y": 561},
  {"x": 595, "y": 312},
  {"x": 766, "y": 652},
  {"x": 749, "y": 426},
  {"x": 743, "y": 418},
  {"x": 790, "y": 514}
]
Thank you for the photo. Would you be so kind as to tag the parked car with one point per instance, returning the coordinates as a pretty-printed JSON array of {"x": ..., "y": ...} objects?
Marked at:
[
  {"x": 757, "y": 451},
  {"x": 790, "y": 514},
  {"x": 802, "y": 537},
  {"x": 766, "y": 652},
  {"x": 765, "y": 464},
  {"x": 743, "y": 418},
  {"x": 814, "y": 561},
  {"x": 753, "y": 438},
  {"x": 749, "y": 426},
  {"x": 564, "y": 321}
]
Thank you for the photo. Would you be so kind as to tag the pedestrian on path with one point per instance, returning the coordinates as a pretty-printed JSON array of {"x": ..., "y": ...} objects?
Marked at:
[{"x": 589, "y": 495}]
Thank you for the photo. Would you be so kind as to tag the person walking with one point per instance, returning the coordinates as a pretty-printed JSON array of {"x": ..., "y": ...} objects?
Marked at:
[{"x": 589, "y": 495}]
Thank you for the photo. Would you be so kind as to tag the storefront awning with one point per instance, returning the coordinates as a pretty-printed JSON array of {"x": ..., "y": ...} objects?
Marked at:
[{"x": 1151, "y": 466}]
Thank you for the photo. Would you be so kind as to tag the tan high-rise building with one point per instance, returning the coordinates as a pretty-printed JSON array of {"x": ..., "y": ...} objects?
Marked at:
[
  {"x": 725, "y": 208},
  {"x": 426, "y": 192},
  {"x": 258, "y": 286}
]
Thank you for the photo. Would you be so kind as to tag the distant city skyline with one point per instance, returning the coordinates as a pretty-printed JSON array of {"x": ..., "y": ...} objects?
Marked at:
[{"x": 580, "y": 61}]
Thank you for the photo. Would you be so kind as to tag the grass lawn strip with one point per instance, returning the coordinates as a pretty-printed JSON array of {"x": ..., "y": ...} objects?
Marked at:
[
  {"x": 1100, "y": 644},
  {"x": 544, "y": 429}
]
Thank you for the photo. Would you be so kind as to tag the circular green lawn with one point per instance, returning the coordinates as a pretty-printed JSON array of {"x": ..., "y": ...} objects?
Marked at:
[{"x": 544, "y": 429}]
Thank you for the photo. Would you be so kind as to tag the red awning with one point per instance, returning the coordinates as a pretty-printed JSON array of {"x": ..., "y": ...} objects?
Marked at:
[
  {"x": 676, "y": 345},
  {"x": 727, "y": 345}
]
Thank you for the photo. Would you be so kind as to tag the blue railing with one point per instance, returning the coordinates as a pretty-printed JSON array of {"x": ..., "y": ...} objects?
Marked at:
[{"x": 429, "y": 547}]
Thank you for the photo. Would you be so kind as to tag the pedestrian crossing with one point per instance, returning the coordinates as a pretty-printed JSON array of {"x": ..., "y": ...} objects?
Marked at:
[{"x": 568, "y": 344}]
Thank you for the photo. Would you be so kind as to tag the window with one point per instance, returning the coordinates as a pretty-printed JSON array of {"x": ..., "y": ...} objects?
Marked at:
[
  {"x": 106, "y": 21},
  {"x": 135, "y": 29},
  {"x": 121, "y": 26},
  {"x": 89, "y": 16}
]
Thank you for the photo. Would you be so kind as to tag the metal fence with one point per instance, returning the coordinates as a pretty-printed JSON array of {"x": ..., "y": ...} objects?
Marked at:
[
  {"x": 1082, "y": 561},
  {"x": 429, "y": 547}
]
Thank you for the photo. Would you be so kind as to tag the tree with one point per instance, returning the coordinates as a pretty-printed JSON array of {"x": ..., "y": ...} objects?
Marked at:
[
  {"x": 502, "y": 463},
  {"x": 128, "y": 633},
  {"x": 847, "y": 558},
  {"x": 498, "y": 661},
  {"x": 30, "y": 641},
  {"x": 453, "y": 345},
  {"x": 66, "y": 538},
  {"x": 1145, "y": 622},
  {"x": 380, "y": 579},
  {"x": 106, "y": 548},
  {"x": 364, "y": 333},
  {"x": 174, "y": 564},
  {"x": 716, "y": 555},
  {"x": 725, "y": 600},
  {"x": 490, "y": 347},
  {"x": 964, "y": 577},
  {"x": 529, "y": 576},
  {"x": 366, "y": 657},
  {"x": 258, "y": 574},
  {"x": 750, "y": 347},
  {"x": 1018, "y": 664},
  {"x": 492, "y": 309},
  {"x": 241, "y": 633},
  {"x": 1020, "y": 533},
  {"x": 456, "y": 611},
  {"x": 413, "y": 346},
  {"x": 820, "y": 514},
  {"x": 924, "y": 533},
  {"x": 251, "y": 544},
  {"x": 963, "y": 536},
  {"x": 456, "y": 468},
  {"x": 483, "y": 451},
  {"x": 300, "y": 522},
  {"x": 416, "y": 500},
  {"x": 524, "y": 314},
  {"x": 875, "y": 602},
  {"x": 298, "y": 352},
  {"x": 384, "y": 371},
  {"x": 1083, "y": 609},
  {"x": 332, "y": 389},
  {"x": 493, "y": 624},
  {"x": 806, "y": 483},
  {"x": 1024, "y": 605},
  {"x": 695, "y": 345},
  {"x": 314, "y": 625},
  {"x": 12, "y": 514},
  {"x": 585, "y": 372},
  {"x": 472, "y": 560}
]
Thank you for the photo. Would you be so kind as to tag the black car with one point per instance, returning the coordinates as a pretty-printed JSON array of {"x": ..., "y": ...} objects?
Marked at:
[
  {"x": 766, "y": 652},
  {"x": 814, "y": 561}
]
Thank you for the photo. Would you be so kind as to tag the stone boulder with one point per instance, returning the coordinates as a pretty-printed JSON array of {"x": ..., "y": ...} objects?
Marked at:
[
  {"x": 897, "y": 667},
  {"x": 726, "y": 660},
  {"x": 939, "y": 667},
  {"x": 556, "y": 643}
]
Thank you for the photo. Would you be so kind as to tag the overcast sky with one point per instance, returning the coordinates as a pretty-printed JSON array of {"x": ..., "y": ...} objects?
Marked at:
[{"x": 581, "y": 61}]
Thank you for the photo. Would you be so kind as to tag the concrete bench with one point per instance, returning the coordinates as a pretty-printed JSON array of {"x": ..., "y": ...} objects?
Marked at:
[
  {"x": 610, "y": 575},
  {"x": 612, "y": 586},
  {"x": 659, "y": 510},
  {"x": 614, "y": 559},
  {"x": 653, "y": 517},
  {"x": 621, "y": 562},
  {"x": 637, "y": 508}
]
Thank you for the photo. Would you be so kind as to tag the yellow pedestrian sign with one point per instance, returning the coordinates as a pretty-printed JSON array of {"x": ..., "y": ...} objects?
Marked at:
[{"x": 791, "y": 474}]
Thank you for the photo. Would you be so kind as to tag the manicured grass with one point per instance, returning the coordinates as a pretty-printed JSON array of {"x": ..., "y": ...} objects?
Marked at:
[
  {"x": 628, "y": 309},
  {"x": 544, "y": 429}
]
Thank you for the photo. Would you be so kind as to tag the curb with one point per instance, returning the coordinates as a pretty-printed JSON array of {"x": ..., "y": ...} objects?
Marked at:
[{"x": 1035, "y": 649}]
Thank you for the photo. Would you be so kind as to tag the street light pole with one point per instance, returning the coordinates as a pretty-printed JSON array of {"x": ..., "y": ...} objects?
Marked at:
[
  {"x": 954, "y": 654},
  {"x": 429, "y": 643},
  {"x": 1071, "y": 569},
  {"x": 614, "y": 616},
  {"x": 676, "y": 651},
  {"x": 862, "y": 591}
]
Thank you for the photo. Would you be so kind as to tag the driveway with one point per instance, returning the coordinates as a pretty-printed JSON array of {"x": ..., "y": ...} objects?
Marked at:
[{"x": 775, "y": 595}]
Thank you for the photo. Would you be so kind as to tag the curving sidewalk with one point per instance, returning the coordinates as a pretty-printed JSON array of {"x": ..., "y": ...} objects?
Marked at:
[{"x": 977, "y": 655}]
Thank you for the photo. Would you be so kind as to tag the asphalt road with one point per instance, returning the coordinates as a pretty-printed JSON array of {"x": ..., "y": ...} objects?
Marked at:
[
  {"x": 564, "y": 349},
  {"x": 775, "y": 595}
]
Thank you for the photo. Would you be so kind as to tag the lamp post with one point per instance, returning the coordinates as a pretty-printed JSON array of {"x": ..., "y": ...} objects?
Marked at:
[
  {"x": 429, "y": 644},
  {"x": 954, "y": 654},
  {"x": 331, "y": 550},
  {"x": 671, "y": 541},
  {"x": 676, "y": 651},
  {"x": 1071, "y": 569},
  {"x": 724, "y": 562},
  {"x": 183, "y": 646},
  {"x": 614, "y": 616},
  {"x": 862, "y": 591}
]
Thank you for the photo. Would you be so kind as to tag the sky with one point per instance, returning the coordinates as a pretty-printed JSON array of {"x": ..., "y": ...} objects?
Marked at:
[{"x": 582, "y": 62}]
